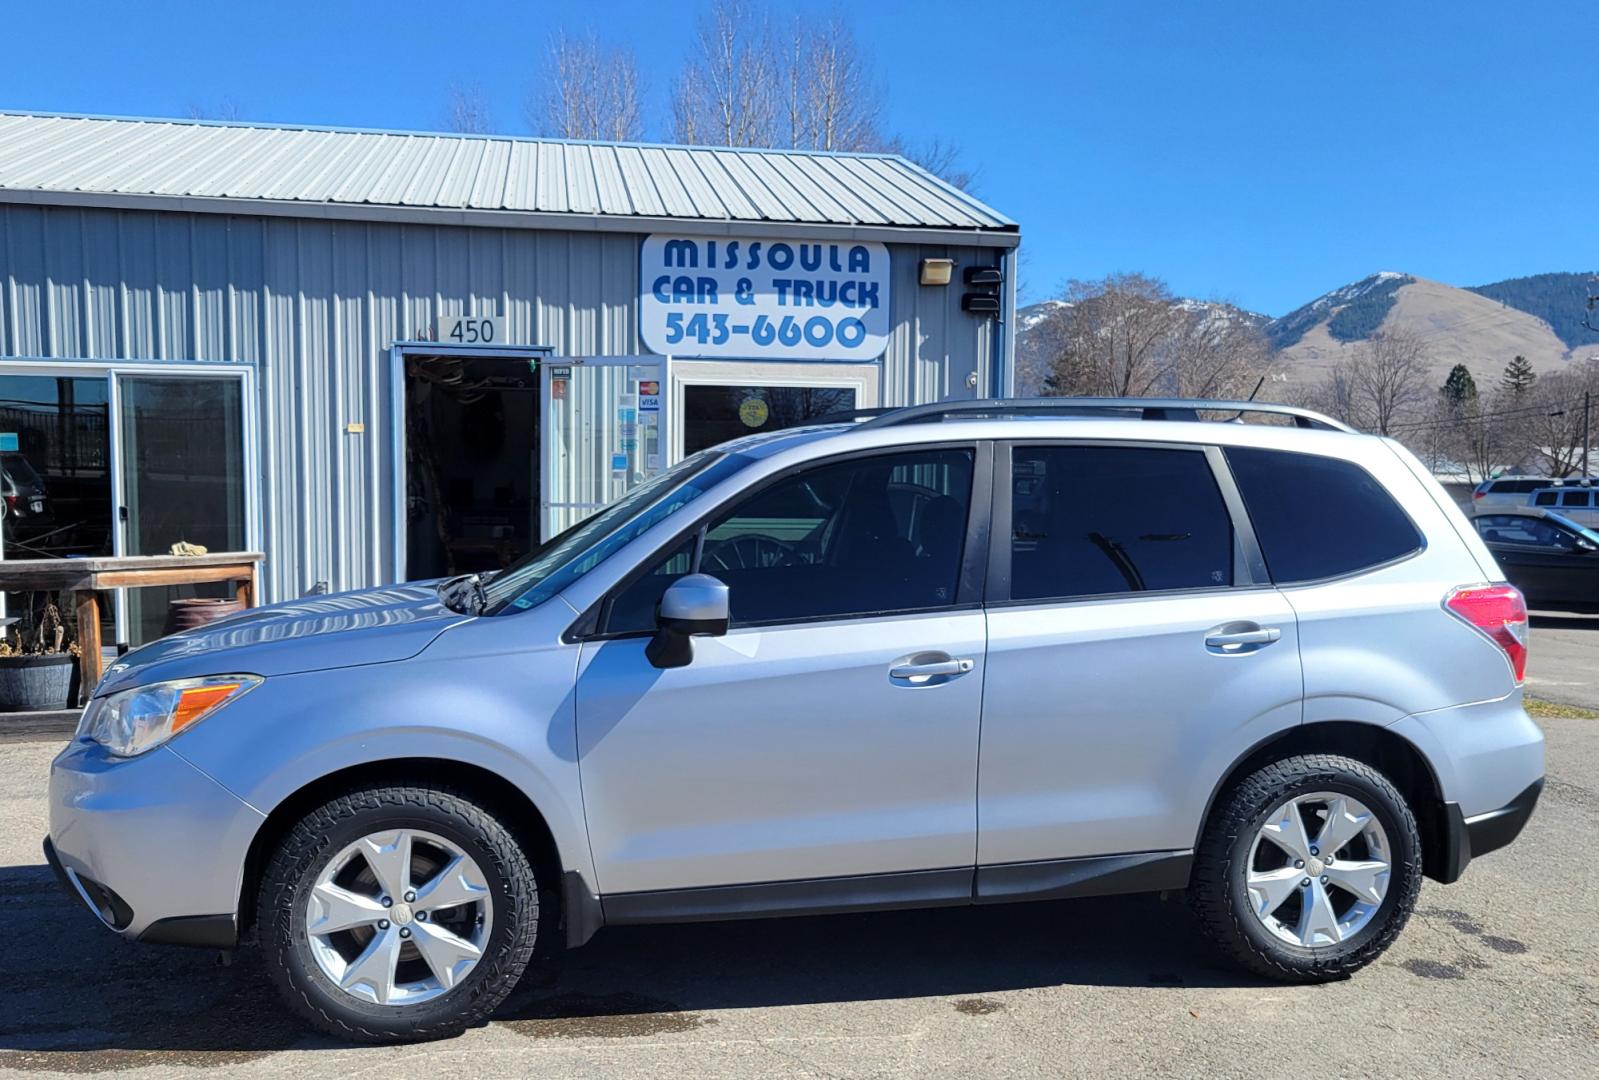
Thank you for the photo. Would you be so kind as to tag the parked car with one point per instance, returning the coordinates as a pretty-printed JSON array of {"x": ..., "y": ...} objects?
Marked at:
[
  {"x": 1574, "y": 502},
  {"x": 1553, "y": 560},
  {"x": 1507, "y": 492},
  {"x": 953, "y": 654},
  {"x": 22, "y": 490}
]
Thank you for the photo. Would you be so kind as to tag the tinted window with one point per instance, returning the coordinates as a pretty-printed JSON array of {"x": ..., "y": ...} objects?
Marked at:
[
  {"x": 633, "y": 609},
  {"x": 1096, "y": 520},
  {"x": 1515, "y": 487},
  {"x": 1546, "y": 498},
  {"x": 1514, "y": 529},
  {"x": 858, "y": 537},
  {"x": 1573, "y": 498},
  {"x": 1317, "y": 517}
]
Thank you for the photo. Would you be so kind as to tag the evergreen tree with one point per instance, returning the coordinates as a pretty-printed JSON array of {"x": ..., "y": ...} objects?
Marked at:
[
  {"x": 1518, "y": 376},
  {"x": 1460, "y": 387}
]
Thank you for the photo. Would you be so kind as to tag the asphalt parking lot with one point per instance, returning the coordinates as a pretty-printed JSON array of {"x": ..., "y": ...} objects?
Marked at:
[{"x": 1496, "y": 976}]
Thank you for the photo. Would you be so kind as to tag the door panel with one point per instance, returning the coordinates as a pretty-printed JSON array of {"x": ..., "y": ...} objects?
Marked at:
[
  {"x": 1106, "y": 723},
  {"x": 782, "y": 753}
]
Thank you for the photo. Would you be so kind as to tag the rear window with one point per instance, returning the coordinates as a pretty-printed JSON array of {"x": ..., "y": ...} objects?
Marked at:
[
  {"x": 1102, "y": 520},
  {"x": 1318, "y": 517}
]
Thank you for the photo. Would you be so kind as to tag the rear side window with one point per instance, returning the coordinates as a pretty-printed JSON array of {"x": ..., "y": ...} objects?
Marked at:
[
  {"x": 1573, "y": 498},
  {"x": 1100, "y": 520},
  {"x": 1515, "y": 487},
  {"x": 1318, "y": 517},
  {"x": 1547, "y": 498}
]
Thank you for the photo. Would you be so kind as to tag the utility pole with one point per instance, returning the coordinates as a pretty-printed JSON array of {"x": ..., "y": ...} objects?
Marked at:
[{"x": 1587, "y": 412}]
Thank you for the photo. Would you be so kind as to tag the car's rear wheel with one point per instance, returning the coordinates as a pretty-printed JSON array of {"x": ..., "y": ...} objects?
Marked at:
[
  {"x": 397, "y": 913},
  {"x": 1308, "y": 868}
]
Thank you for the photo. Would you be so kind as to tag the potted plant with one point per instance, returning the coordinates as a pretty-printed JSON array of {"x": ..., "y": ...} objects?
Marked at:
[{"x": 37, "y": 668}]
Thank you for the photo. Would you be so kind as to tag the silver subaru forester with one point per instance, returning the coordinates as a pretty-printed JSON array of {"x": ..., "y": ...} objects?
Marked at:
[{"x": 954, "y": 654}]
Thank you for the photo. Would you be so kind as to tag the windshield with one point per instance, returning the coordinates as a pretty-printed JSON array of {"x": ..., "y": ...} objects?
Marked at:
[
  {"x": 1586, "y": 533},
  {"x": 564, "y": 558}
]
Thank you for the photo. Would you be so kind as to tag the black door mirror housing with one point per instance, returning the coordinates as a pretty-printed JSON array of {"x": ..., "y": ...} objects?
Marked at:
[{"x": 695, "y": 605}]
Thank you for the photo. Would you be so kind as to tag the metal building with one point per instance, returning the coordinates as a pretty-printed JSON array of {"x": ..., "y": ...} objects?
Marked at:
[{"x": 388, "y": 355}]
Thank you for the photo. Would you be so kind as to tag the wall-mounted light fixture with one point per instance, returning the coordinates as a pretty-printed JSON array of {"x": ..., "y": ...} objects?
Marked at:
[
  {"x": 986, "y": 282},
  {"x": 980, "y": 304},
  {"x": 987, "y": 277},
  {"x": 937, "y": 271}
]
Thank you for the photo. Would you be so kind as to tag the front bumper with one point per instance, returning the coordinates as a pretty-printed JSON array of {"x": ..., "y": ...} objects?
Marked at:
[
  {"x": 1468, "y": 837},
  {"x": 152, "y": 845}
]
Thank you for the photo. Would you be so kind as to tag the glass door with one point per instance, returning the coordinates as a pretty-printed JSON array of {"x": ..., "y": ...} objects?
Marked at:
[
  {"x": 605, "y": 432},
  {"x": 183, "y": 481}
]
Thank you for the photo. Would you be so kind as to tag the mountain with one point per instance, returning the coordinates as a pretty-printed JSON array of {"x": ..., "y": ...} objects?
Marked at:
[
  {"x": 1457, "y": 326},
  {"x": 1561, "y": 300},
  {"x": 1483, "y": 327}
]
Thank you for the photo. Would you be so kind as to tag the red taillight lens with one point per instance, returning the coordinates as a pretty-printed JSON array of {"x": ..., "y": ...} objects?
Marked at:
[
  {"x": 1478, "y": 494},
  {"x": 1498, "y": 611}
]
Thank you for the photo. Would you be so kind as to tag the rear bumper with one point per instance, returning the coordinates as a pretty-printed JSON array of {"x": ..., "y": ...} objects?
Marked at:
[{"x": 1468, "y": 837}]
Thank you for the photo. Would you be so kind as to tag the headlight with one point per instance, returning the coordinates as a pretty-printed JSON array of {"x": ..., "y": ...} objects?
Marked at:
[{"x": 133, "y": 721}]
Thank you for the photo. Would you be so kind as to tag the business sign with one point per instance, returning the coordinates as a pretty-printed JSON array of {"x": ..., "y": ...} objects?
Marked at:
[{"x": 763, "y": 299}]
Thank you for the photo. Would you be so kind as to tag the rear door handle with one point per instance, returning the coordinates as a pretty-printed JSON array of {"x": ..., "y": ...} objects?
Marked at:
[
  {"x": 912, "y": 672},
  {"x": 1229, "y": 642}
]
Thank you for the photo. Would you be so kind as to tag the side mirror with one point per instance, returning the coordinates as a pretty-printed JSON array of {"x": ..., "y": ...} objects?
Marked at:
[
  {"x": 692, "y": 606},
  {"x": 1588, "y": 547}
]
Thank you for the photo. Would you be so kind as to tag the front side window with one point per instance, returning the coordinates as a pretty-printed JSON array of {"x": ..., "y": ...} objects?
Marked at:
[
  {"x": 1319, "y": 517},
  {"x": 1529, "y": 531},
  {"x": 1100, "y": 520},
  {"x": 864, "y": 536}
]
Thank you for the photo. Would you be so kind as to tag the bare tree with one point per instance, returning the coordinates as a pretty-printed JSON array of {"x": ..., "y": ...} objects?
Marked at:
[
  {"x": 467, "y": 109},
  {"x": 729, "y": 93},
  {"x": 589, "y": 91},
  {"x": 226, "y": 110},
  {"x": 832, "y": 102},
  {"x": 1553, "y": 422},
  {"x": 1128, "y": 336},
  {"x": 941, "y": 158},
  {"x": 1382, "y": 380}
]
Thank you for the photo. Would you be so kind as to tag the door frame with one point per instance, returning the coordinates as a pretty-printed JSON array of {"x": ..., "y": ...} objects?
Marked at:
[
  {"x": 249, "y": 459},
  {"x": 111, "y": 370},
  {"x": 398, "y": 351}
]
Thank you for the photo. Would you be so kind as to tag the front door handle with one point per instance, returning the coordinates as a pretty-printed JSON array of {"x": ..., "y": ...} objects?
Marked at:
[
  {"x": 1233, "y": 639},
  {"x": 916, "y": 672}
]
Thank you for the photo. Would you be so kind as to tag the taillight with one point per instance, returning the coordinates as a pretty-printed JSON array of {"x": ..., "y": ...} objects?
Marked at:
[
  {"x": 1478, "y": 494},
  {"x": 1499, "y": 612}
]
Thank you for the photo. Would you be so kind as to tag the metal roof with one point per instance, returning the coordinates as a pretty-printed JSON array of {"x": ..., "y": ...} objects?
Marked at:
[{"x": 109, "y": 160}]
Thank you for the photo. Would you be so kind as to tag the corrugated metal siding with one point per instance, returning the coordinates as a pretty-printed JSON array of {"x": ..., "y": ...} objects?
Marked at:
[
  {"x": 88, "y": 155},
  {"x": 314, "y": 306}
]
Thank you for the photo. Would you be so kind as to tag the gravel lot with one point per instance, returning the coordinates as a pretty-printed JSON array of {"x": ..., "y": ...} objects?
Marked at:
[{"x": 1497, "y": 976}]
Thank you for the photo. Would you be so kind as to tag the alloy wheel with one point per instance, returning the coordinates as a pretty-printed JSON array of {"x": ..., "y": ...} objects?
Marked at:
[
  {"x": 1318, "y": 869},
  {"x": 399, "y": 917}
]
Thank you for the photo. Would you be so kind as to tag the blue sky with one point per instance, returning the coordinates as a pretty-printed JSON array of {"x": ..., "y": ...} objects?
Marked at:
[{"x": 1262, "y": 152}]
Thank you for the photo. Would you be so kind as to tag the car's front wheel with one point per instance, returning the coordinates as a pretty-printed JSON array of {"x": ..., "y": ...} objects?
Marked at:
[
  {"x": 1308, "y": 868},
  {"x": 398, "y": 913}
]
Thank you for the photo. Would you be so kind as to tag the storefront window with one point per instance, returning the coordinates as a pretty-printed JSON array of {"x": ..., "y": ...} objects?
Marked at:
[
  {"x": 183, "y": 470},
  {"x": 715, "y": 414},
  {"x": 55, "y": 481}
]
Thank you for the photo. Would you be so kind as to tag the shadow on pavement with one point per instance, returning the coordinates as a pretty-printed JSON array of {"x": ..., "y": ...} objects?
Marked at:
[
  {"x": 960, "y": 952},
  {"x": 81, "y": 1000}
]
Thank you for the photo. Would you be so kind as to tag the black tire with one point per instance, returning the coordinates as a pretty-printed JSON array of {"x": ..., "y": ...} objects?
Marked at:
[
  {"x": 1220, "y": 896},
  {"x": 327, "y": 830}
]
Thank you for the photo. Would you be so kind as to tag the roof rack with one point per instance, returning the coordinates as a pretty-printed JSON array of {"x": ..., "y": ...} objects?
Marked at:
[{"x": 1142, "y": 408}]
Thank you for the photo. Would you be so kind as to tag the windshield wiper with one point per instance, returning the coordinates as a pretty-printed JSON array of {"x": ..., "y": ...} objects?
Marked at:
[{"x": 464, "y": 593}]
